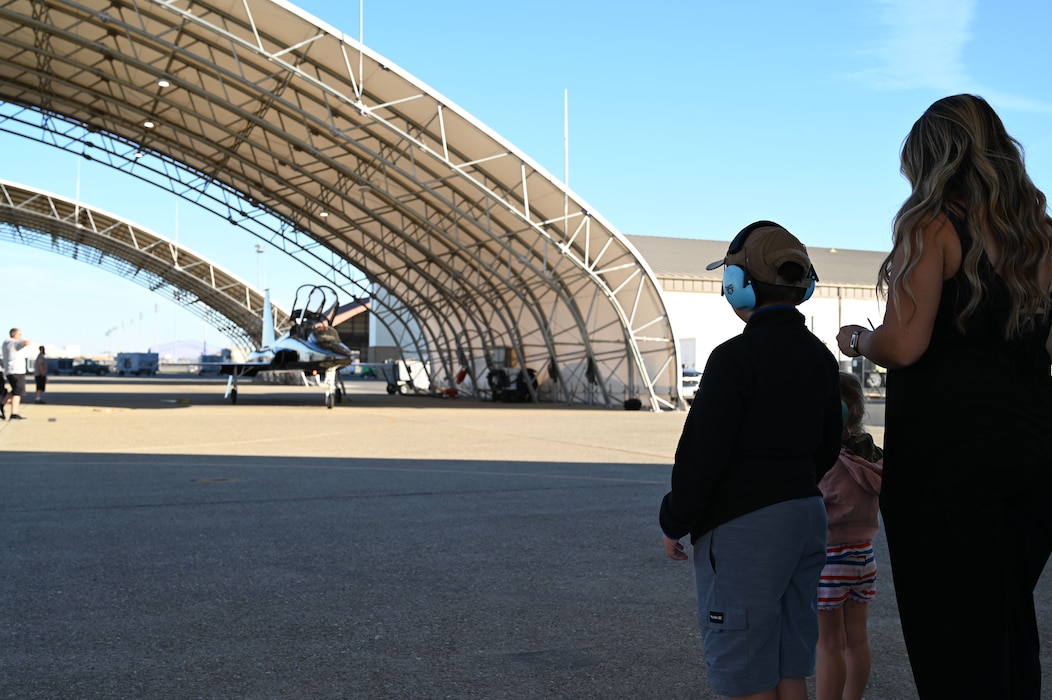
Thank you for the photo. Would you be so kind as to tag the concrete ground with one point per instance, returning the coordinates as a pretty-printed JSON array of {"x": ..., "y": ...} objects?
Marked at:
[{"x": 159, "y": 542}]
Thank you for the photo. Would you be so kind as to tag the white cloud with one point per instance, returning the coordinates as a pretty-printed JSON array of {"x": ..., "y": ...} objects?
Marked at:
[
  {"x": 1005, "y": 101},
  {"x": 922, "y": 45}
]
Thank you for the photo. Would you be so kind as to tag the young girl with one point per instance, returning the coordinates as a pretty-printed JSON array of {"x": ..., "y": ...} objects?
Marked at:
[{"x": 850, "y": 490}]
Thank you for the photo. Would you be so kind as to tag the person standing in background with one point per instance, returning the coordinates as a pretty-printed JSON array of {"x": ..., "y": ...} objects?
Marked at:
[
  {"x": 15, "y": 369},
  {"x": 40, "y": 374},
  {"x": 967, "y": 445}
]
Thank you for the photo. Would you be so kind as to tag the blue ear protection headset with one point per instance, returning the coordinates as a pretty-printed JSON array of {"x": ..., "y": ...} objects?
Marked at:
[{"x": 737, "y": 285}]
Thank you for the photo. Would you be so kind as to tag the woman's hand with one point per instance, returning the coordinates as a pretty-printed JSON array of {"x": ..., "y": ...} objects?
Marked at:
[{"x": 843, "y": 339}]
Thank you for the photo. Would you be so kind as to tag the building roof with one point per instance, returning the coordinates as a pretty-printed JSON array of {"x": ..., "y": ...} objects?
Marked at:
[{"x": 686, "y": 258}]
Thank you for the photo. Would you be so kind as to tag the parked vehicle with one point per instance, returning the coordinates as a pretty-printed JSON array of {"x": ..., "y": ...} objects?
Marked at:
[
  {"x": 90, "y": 367},
  {"x": 406, "y": 375},
  {"x": 691, "y": 381},
  {"x": 211, "y": 364},
  {"x": 138, "y": 363},
  {"x": 59, "y": 365},
  {"x": 872, "y": 377}
]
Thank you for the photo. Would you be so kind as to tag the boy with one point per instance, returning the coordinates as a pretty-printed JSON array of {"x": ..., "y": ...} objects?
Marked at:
[{"x": 763, "y": 428}]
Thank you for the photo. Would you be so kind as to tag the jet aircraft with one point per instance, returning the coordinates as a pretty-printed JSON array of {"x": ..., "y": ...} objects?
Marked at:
[{"x": 310, "y": 345}]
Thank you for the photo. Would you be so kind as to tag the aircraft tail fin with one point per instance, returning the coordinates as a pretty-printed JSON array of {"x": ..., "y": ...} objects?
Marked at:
[{"x": 268, "y": 334}]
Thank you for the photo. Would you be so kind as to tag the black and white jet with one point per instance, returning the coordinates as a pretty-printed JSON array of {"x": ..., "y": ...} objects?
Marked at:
[{"x": 311, "y": 345}]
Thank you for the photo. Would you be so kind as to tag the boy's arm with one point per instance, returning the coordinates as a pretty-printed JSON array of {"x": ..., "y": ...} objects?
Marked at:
[{"x": 705, "y": 446}]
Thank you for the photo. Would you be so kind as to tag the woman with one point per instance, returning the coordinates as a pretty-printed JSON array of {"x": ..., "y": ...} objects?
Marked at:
[{"x": 967, "y": 493}]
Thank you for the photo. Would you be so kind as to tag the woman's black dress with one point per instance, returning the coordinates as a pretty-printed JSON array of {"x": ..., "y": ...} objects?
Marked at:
[{"x": 967, "y": 497}]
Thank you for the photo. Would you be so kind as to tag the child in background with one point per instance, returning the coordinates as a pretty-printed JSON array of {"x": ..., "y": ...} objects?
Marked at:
[{"x": 850, "y": 490}]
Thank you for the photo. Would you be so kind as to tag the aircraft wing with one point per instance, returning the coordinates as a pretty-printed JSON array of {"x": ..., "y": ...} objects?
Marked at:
[{"x": 243, "y": 369}]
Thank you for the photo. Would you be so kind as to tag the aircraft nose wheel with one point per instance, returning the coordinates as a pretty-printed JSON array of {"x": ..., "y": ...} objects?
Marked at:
[
  {"x": 329, "y": 400},
  {"x": 233, "y": 396}
]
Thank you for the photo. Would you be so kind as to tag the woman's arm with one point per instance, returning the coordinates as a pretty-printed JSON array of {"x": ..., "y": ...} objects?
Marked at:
[{"x": 906, "y": 331}]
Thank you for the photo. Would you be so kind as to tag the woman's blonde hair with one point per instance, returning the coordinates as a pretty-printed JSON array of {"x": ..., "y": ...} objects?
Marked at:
[
  {"x": 959, "y": 159},
  {"x": 855, "y": 401}
]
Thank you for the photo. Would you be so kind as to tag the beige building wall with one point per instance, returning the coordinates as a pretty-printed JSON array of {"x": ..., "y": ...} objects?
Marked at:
[{"x": 702, "y": 319}]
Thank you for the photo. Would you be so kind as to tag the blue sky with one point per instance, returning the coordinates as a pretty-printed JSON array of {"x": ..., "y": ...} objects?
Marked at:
[{"x": 686, "y": 119}]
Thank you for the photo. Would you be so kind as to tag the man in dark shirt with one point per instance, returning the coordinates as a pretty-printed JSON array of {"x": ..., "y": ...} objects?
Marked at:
[{"x": 763, "y": 428}]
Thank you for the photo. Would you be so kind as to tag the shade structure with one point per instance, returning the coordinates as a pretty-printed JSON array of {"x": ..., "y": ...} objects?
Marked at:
[
  {"x": 47, "y": 221},
  {"x": 487, "y": 268}
]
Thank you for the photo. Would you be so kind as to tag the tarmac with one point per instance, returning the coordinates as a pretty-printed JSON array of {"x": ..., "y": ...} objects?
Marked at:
[{"x": 160, "y": 542}]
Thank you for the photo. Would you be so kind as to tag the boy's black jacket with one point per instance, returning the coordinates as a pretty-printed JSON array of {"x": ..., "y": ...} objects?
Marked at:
[{"x": 764, "y": 427}]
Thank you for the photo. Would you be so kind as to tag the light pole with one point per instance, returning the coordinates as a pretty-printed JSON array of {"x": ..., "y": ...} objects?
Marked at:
[
  {"x": 108, "y": 334},
  {"x": 259, "y": 252}
]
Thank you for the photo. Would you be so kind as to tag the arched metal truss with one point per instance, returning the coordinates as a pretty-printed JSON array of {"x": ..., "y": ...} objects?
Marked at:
[
  {"x": 258, "y": 109},
  {"x": 63, "y": 226}
]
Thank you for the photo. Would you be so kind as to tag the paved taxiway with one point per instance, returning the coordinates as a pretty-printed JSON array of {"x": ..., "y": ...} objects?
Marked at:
[{"x": 158, "y": 542}]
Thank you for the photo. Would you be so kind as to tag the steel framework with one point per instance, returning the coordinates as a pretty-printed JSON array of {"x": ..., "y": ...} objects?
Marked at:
[
  {"x": 49, "y": 222},
  {"x": 328, "y": 151}
]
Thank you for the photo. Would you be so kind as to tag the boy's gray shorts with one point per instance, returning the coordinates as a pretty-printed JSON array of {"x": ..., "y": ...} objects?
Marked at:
[{"x": 757, "y": 586}]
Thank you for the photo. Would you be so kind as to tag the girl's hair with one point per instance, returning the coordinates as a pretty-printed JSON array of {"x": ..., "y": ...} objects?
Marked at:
[
  {"x": 958, "y": 158},
  {"x": 852, "y": 396}
]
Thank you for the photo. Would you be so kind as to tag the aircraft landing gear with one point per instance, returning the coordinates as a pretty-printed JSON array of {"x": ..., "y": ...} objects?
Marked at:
[
  {"x": 231, "y": 388},
  {"x": 333, "y": 387}
]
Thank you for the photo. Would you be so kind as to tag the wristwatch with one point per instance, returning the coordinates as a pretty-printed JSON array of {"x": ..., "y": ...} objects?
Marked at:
[{"x": 853, "y": 343}]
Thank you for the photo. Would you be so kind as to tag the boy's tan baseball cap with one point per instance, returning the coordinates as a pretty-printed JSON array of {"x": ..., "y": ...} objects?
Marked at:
[{"x": 761, "y": 248}]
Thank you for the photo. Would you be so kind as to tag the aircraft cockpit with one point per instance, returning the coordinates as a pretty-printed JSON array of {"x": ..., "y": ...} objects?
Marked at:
[
  {"x": 313, "y": 311},
  {"x": 313, "y": 304}
]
